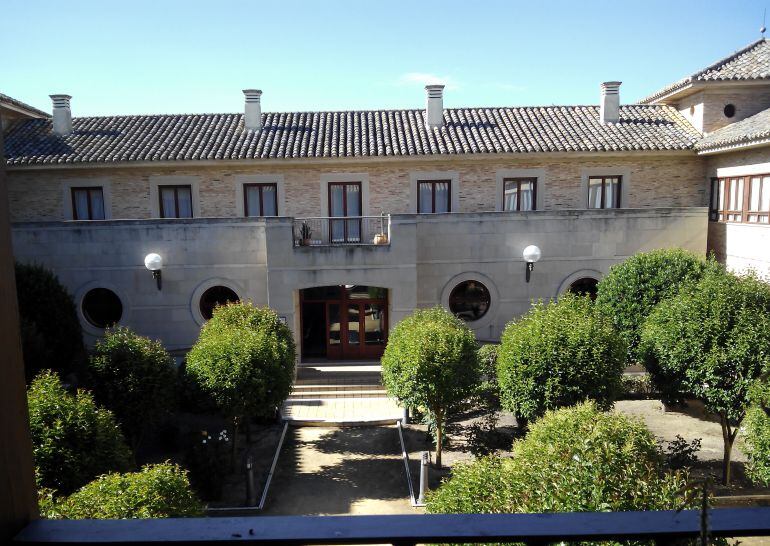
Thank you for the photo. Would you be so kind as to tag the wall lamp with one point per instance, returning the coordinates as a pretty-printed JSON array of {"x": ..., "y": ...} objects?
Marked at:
[
  {"x": 154, "y": 263},
  {"x": 531, "y": 254}
]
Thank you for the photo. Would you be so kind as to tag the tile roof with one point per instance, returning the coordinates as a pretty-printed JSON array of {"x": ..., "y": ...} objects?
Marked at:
[
  {"x": 385, "y": 133},
  {"x": 746, "y": 131},
  {"x": 24, "y": 106},
  {"x": 750, "y": 63}
]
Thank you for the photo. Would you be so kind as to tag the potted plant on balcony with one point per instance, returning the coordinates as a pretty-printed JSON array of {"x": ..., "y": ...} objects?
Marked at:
[
  {"x": 304, "y": 234},
  {"x": 381, "y": 239}
]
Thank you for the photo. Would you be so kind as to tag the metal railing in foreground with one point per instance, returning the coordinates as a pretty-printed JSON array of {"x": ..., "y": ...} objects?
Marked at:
[
  {"x": 342, "y": 231},
  {"x": 538, "y": 529}
]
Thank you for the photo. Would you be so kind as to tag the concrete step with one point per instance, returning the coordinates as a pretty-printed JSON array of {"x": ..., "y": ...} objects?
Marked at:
[
  {"x": 318, "y": 395},
  {"x": 337, "y": 387}
]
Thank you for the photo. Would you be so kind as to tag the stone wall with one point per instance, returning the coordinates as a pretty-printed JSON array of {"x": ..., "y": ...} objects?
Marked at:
[
  {"x": 427, "y": 256},
  {"x": 670, "y": 180},
  {"x": 705, "y": 109}
]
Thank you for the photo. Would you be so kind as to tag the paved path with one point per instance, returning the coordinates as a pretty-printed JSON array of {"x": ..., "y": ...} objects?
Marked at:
[{"x": 333, "y": 471}]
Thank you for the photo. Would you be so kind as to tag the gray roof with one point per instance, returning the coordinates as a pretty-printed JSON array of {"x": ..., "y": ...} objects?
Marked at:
[
  {"x": 379, "y": 133},
  {"x": 22, "y": 105},
  {"x": 744, "y": 132},
  {"x": 750, "y": 63}
]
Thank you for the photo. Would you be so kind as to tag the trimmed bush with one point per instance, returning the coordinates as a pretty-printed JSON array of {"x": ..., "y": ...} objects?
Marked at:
[
  {"x": 51, "y": 335},
  {"x": 631, "y": 289},
  {"x": 575, "y": 459},
  {"x": 757, "y": 436},
  {"x": 430, "y": 362},
  {"x": 135, "y": 378},
  {"x": 73, "y": 439},
  {"x": 157, "y": 491},
  {"x": 558, "y": 354},
  {"x": 711, "y": 342},
  {"x": 244, "y": 360}
]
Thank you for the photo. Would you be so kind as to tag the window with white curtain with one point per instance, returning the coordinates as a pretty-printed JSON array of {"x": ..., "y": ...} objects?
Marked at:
[
  {"x": 434, "y": 196},
  {"x": 88, "y": 203},
  {"x": 520, "y": 194},
  {"x": 604, "y": 192},
  {"x": 175, "y": 201},
  {"x": 260, "y": 199}
]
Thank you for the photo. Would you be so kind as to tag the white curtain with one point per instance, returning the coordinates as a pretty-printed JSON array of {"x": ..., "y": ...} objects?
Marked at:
[{"x": 442, "y": 197}]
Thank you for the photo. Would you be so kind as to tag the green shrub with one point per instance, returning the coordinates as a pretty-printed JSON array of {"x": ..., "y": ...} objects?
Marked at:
[
  {"x": 157, "y": 491},
  {"x": 430, "y": 362},
  {"x": 488, "y": 390},
  {"x": 559, "y": 354},
  {"x": 757, "y": 436},
  {"x": 244, "y": 360},
  {"x": 711, "y": 342},
  {"x": 575, "y": 459},
  {"x": 631, "y": 289},
  {"x": 135, "y": 378},
  {"x": 73, "y": 439},
  {"x": 488, "y": 361},
  {"x": 51, "y": 335}
]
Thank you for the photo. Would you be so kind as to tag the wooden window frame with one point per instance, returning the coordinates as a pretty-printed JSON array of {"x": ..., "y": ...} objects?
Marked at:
[
  {"x": 433, "y": 183},
  {"x": 176, "y": 188},
  {"x": 519, "y": 180},
  {"x": 717, "y": 214},
  {"x": 259, "y": 185},
  {"x": 604, "y": 178},
  {"x": 343, "y": 219},
  {"x": 88, "y": 190}
]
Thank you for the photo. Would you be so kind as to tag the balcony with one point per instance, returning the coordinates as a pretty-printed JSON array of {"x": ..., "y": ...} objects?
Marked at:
[{"x": 342, "y": 231}]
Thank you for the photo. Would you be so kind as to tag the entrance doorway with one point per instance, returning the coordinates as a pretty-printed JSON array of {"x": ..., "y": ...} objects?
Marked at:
[{"x": 345, "y": 322}]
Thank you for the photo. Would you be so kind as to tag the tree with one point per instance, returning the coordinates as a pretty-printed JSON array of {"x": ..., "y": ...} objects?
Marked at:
[
  {"x": 135, "y": 378},
  {"x": 757, "y": 435},
  {"x": 431, "y": 362},
  {"x": 73, "y": 439},
  {"x": 51, "y": 335},
  {"x": 558, "y": 354},
  {"x": 632, "y": 289},
  {"x": 157, "y": 491},
  {"x": 711, "y": 342},
  {"x": 572, "y": 460},
  {"x": 244, "y": 360}
]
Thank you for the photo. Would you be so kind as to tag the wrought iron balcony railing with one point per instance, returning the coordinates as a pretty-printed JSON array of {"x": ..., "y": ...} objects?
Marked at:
[
  {"x": 533, "y": 529},
  {"x": 342, "y": 231}
]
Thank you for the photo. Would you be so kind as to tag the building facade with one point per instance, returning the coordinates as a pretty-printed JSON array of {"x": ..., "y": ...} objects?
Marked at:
[{"x": 345, "y": 222}]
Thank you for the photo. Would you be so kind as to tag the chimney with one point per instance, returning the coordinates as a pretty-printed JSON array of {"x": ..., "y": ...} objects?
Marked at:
[
  {"x": 609, "y": 108},
  {"x": 62, "y": 115},
  {"x": 434, "y": 109},
  {"x": 252, "y": 118}
]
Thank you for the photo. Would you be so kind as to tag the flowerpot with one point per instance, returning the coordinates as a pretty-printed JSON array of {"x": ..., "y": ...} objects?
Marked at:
[
  {"x": 306, "y": 242},
  {"x": 380, "y": 239}
]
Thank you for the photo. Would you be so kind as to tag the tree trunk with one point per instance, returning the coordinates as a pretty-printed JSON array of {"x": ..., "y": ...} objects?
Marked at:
[
  {"x": 439, "y": 439},
  {"x": 728, "y": 437},
  {"x": 234, "y": 454}
]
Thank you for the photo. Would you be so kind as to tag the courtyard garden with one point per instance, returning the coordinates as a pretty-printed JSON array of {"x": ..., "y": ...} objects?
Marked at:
[{"x": 635, "y": 401}]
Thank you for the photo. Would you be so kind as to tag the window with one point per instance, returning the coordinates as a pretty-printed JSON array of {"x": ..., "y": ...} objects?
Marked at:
[
  {"x": 260, "y": 199},
  {"x": 469, "y": 300},
  {"x": 433, "y": 196},
  {"x": 87, "y": 203},
  {"x": 729, "y": 110},
  {"x": 216, "y": 295},
  {"x": 604, "y": 192},
  {"x": 175, "y": 201},
  {"x": 740, "y": 199},
  {"x": 102, "y": 307},
  {"x": 520, "y": 194},
  {"x": 585, "y": 286},
  {"x": 345, "y": 201}
]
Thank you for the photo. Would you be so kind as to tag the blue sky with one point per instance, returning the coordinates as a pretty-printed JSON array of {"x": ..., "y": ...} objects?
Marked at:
[{"x": 169, "y": 56}]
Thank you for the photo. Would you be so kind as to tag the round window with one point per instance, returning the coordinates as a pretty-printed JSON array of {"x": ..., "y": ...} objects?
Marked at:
[
  {"x": 584, "y": 287},
  {"x": 729, "y": 110},
  {"x": 469, "y": 300},
  {"x": 216, "y": 295},
  {"x": 102, "y": 307}
]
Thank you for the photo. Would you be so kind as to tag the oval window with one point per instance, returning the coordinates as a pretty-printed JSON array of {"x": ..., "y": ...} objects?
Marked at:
[
  {"x": 584, "y": 287},
  {"x": 216, "y": 295},
  {"x": 102, "y": 307},
  {"x": 469, "y": 300},
  {"x": 729, "y": 110}
]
